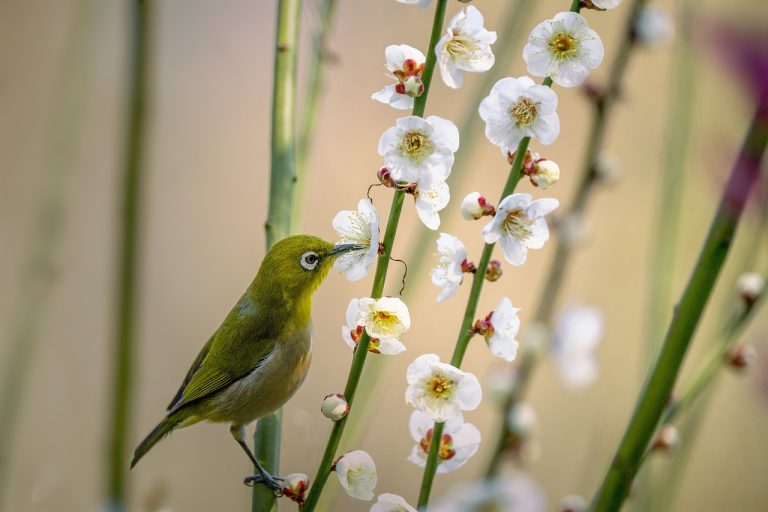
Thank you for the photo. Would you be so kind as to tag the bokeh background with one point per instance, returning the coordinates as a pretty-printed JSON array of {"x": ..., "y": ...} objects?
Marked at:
[{"x": 63, "y": 89}]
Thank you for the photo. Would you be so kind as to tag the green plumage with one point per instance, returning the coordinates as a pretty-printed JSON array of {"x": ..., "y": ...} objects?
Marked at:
[{"x": 260, "y": 354}]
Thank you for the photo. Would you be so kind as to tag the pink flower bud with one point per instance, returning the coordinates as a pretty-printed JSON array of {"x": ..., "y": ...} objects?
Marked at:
[{"x": 493, "y": 272}]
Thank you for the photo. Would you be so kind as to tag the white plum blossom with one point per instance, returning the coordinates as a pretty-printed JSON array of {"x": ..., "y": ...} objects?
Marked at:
[
  {"x": 440, "y": 390},
  {"x": 519, "y": 225},
  {"x": 431, "y": 197},
  {"x": 418, "y": 149},
  {"x": 459, "y": 443},
  {"x": 516, "y": 492},
  {"x": 405, "y": 64},
  {"x": 504, "y": 323},
  {"x": 386, "y": 317},
  {"x": 606, "y": 4},
  {"x": 357, "y": 474},
  {"x": 359, "y": 227},
  {"x": 354, "y": 327},
  {"x": 564, "y": 49},
  {"x": 517, "y": 108},
  {"x": 422, "y": 3},
  {"x": 465, "y": 47},
  {"x": 653, "y": 26},
  {"x": 391, "y": 503},
  {"x": 449, "y": 271},
  {"x": 578, "y": 331}
]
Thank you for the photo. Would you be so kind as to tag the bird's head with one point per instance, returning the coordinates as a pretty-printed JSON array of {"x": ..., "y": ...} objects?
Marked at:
[{"x": 295, "y": 266}]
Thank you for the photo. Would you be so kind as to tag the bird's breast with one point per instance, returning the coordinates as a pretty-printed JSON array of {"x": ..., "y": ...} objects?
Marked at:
[{"x": 269, "y": 386}]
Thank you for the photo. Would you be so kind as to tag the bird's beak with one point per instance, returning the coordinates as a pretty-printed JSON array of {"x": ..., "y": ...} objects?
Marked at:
[{"x": 342, "y": 248}]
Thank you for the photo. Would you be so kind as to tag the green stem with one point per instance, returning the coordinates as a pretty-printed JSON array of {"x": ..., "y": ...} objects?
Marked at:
[
  {"x": 266, "y": 438},
  {"x": 382, "y": 265},
  {"x": 315, "y": 89},
  {"x": 40, "y": 270},
  {"x": 465, "y": 331},
  {"x": 661, "y": 379},
  {"x": 129, "y": 250},
  {"x": 563, "y": 248},
  {"x": 471, "y": 132},
  {"x": 358, "y": 360}
]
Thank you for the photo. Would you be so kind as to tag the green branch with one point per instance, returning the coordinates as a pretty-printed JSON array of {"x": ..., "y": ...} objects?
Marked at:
[
  {"x": 661, "y": 379},
  {"x": 563, "y": 248},
  {"x": 266, "y": 438},
  {"x": 129, "y": 250},
  {"x": 361, "y": 352}
]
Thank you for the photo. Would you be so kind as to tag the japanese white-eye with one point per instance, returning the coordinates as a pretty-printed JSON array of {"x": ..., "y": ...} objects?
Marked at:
[{"x": 259, "y": 356}]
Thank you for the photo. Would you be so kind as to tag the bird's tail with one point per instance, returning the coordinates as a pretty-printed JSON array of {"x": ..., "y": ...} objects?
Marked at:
[{"x": 160, "y": 431}]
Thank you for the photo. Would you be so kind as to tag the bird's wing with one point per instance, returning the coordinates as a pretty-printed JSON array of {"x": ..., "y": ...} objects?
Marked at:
[
  {"x": 240, "y": 345},
  {"x": 192, "y": 369}
]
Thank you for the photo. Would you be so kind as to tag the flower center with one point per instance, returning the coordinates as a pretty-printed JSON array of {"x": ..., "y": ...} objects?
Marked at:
[
  {"x": 524, "y": 112},
  {"x": 446, "y": 450},
  {"x": 416, "y": 146},
  {"x": 460, "y": 47},
  {"x": 517, "y": 224},
  {"x": 440, "y": 386},
  {"x": 386, "y": 321},
  {"x": 563, "y": 46}
]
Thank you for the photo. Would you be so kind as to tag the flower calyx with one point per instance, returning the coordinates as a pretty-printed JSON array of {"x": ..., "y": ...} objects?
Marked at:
[{"x": 295, "y": 486}]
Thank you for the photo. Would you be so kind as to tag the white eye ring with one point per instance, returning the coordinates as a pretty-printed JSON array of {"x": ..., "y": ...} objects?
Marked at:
[{"x": 309, "y": 260}]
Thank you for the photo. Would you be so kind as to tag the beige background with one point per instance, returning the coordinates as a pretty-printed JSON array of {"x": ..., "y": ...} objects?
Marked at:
[{"x": 205, "y": 204}]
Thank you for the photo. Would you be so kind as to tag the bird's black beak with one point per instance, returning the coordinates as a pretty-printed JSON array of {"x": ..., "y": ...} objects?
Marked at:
[{"x": 342, "y": 248}]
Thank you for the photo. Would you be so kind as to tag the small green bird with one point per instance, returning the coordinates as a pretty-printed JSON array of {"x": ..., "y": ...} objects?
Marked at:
[{"x": 259, "y": 356}]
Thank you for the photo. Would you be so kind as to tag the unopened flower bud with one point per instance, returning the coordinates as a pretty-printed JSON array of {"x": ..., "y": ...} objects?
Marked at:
[
  {"x": 750, "y": 285},
  {"x": 494, "y": 271},
  {"x": 294, "y": 486},
  {"x": 652, "y": 26},
  {"x": 547, "y": 174},
  {"x": 474, "y": 206},
  {"x": 607, "y": 168},
  {"x": 741, "y": 356},
  {"x": 471, "y": 206},
  {"x": 522, "y": 421},
  {"x": 413, "y": 86},
  {"x": 334, "y": 407},
  {"x": 384, "y": 177},
  {"x": 667, "y": 439},
  {"x": 572, "y": 503},
  {"x": 573, "y": 229}
]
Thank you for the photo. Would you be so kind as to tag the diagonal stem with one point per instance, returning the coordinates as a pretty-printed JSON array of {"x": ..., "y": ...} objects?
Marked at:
[
  {"x": 358, "y": 360},
  {"x": 661, "y": 379}
]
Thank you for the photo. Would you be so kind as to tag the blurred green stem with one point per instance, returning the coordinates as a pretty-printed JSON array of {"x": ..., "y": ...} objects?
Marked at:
[
  {"x": 465, "y": 331},
  {"x": 266, "y": 437},
  {"x": 671, "y": 190},
  {"x": 382, "y": 265},
  {"x": 661, "y": 379},
  {"x": 129, "y": 250},
  {"x": 553, "y": 284},
  {"x": 315, "y": 90},
  {"x": 40, "y": 272}
]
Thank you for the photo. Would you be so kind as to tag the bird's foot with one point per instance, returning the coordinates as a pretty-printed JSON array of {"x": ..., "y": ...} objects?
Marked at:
[{"x": 273, "y": 482}]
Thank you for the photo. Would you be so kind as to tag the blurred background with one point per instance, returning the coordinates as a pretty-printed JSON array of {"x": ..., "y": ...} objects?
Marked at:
[{"x": 63, "y": 107}]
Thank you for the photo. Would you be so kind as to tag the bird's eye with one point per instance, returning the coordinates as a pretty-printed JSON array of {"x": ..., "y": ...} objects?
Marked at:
[{"x": 309, "y": 260}]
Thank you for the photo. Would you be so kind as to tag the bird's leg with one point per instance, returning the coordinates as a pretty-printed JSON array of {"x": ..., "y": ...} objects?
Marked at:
[{"x": 262, "y": 476}]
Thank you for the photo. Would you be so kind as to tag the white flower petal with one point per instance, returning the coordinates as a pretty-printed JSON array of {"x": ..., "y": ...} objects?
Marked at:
[
  {"x": 357, "y": 474},
  {"x": 387, "y": 502}
]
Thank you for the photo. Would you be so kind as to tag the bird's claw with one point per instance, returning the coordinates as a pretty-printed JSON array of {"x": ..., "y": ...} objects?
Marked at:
[{"x": 274, "y": 483}]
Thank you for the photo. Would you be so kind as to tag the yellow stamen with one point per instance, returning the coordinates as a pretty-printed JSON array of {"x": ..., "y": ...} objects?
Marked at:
[
  {"x": 524, "y": 112},
  {"x": 416, "y": 146},
  {"x": 563, "y": 46},
  {"x": 517, "y": 224}
]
